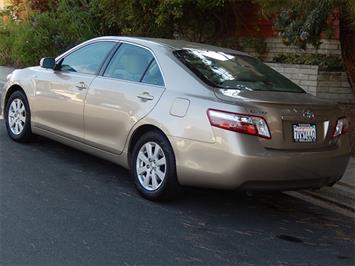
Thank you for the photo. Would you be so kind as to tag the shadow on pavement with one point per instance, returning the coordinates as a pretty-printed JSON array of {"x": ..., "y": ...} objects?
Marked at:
[{"x": 61, "y": 205}]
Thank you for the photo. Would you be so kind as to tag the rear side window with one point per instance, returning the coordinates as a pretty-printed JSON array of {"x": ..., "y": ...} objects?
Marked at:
[
  {"x": 129, "y": 63},
  {"x": 87, "y": 59},
  {"x": 153, "y": 75}
]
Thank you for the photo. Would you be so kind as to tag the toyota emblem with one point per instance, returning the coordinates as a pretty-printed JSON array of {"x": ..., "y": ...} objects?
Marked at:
[{"x": 308, "y": 114}]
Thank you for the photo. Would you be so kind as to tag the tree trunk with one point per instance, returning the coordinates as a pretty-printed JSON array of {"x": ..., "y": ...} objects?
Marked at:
[{"x": 347, "y": 41}]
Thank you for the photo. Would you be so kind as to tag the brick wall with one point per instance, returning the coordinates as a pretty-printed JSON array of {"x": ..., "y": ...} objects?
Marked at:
[
  {"x": 327, "y": 85},
  {"x": 303, "y": 75},
  {"x": 334, "y": 85},
  {"x": 275, "y": 46}
]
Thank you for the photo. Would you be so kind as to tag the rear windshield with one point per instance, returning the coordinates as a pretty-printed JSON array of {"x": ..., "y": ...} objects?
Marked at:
[{"x": 233, "y": 71}]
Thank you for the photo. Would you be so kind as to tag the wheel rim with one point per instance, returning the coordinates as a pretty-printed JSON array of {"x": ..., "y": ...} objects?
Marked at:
[
  {"x": 151, "y": 166},
  {"x": 17, "y": 116}
]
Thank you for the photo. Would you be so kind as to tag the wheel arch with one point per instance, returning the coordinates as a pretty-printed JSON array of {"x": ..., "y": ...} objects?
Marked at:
[
  {"x": 10, "y": 91},
  {"x": 140, "y": 131}
]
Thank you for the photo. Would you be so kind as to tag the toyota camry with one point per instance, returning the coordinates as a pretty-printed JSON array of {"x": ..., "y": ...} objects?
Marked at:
[{"x": 178, "y": 113}]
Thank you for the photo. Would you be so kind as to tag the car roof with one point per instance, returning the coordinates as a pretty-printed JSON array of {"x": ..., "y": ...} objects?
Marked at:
[{"x": 169, "y": 43}]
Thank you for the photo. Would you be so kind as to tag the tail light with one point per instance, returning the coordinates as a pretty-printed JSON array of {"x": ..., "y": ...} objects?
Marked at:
[
  {"x": 341, "y": 127},
  {"x": 241, "y": 123}
]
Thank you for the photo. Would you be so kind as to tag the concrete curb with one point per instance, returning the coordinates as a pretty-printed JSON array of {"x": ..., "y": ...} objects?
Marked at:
[
  {"x": 342, "y": 194},
  {"x": 323, "y": 203},
  {"x": 334, "y": 197}
]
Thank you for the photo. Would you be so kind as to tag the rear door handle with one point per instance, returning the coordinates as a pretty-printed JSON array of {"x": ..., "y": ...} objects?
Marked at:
[
  {"x": 81, "y": 86},
  {"x": 145, "y": 96}
]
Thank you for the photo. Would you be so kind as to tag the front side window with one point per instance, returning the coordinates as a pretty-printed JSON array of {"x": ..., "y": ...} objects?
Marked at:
[
  {"x": 233, "y": 71},
  {"x": 88, "y": 59},
  {"x": 129, "y": 63}
]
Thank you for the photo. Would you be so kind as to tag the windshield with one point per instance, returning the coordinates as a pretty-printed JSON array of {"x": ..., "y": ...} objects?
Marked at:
[{"x": 233, "y": 71}]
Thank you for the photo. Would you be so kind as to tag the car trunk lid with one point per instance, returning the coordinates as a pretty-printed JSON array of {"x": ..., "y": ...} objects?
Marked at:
[{"x": 292, "y": 118}]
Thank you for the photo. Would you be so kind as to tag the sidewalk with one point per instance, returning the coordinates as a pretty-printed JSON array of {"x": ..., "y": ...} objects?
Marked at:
[{"x": 342, "y": 193}]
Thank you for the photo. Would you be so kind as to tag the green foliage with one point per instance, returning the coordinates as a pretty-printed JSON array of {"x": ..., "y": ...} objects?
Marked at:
[
  {"x": 325, "y": 62},
  {"x": 247, "y": 44},
  {"x": 6, "y": 40},
  {"x": 350, "y": 7},
  {"x": 257, "y": 44},
  {"x": 230, "y": 42},
  {"x": 24, "y": 42},
  {"x": 54, "y": 26},
  {"x": 302, "y": 26},
  {"x": 194, "y": 20},
  {"x": 301, "y": 21}
]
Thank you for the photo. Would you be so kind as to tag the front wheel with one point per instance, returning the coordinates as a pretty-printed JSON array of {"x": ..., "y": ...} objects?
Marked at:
[
  {"x": 153, "y": 167},
  {"x": 18, "y": 117}
]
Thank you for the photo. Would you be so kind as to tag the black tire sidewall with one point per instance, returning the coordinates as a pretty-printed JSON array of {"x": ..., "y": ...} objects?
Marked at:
[
  {"x": 27, "y": 132},
  {"x": 170, "y": 185}
]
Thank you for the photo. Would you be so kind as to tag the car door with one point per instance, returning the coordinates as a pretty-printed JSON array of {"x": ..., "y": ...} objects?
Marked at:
[
  {"x": 60, "y": 93},
  {"x": 128, "y": 89}
]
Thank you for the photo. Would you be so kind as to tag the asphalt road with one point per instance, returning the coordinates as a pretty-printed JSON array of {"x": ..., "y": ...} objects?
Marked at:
[{"x": 59, "y": 206}]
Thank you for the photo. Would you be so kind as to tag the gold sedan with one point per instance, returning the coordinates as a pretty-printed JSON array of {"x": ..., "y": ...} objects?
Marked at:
[{"x": 180, "y": 114}]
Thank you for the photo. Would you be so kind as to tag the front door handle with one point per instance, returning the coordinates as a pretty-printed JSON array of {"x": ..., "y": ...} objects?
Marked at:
[
  {"x": 145, "y": 96},
  {"x": 81, "y": 86}
]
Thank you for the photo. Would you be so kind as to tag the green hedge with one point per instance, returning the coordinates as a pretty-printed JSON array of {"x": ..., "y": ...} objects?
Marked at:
[
  {"x": 23, "y": 43},
  {"x": 62, "y": 24}
]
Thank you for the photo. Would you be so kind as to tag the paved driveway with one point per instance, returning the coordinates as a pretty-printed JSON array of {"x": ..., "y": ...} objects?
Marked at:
[{"x": 62, "y": 206}]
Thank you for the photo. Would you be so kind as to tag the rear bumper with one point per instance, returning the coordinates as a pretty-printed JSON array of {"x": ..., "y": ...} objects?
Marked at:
[{"x": 237, "y": 161}]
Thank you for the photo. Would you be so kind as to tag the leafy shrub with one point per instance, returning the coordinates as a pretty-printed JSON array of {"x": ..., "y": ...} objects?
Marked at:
[
  {"x": 325, "y": 62},
  {"x": 254, "y": 45},
  {"x": 5, "y": 45},
  {"x": 48, "y": 33},
  {"x": 54, "y": 26},
  {"x": 257, "y": 44},
  {"x": 198, "y": 20}
]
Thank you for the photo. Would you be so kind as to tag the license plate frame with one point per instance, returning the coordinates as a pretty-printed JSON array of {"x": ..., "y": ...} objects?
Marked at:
[{"x": 304, "y": 132}]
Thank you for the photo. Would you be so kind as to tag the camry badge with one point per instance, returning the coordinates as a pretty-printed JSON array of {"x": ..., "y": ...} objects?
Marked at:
[{"x": 308, "y": 114}]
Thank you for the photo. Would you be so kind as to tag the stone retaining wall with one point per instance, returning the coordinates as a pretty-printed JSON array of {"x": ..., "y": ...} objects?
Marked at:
[
  {"x": 327, "y": 85},
  {"x": 334, "y": 85},
  {"x": 303, "y": 75},
  {"x": 275, "y": 46}
]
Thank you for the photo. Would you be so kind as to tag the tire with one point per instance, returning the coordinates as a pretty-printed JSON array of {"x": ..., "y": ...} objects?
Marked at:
[
  {"x": 147, "y": 168},
  {"x": 17, "y": 117}
]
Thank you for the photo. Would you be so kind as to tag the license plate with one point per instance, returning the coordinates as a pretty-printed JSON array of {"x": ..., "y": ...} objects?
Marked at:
[{"x": 304, "y": 133}]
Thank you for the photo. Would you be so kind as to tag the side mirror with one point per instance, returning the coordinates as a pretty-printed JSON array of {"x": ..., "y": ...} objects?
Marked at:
[{"x": 47, "y": 62}]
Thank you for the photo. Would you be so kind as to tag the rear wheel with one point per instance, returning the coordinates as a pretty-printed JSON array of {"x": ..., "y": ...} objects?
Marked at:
[
  {"x": 18, "y": 117},
  {"x": 153, "y": 167}
]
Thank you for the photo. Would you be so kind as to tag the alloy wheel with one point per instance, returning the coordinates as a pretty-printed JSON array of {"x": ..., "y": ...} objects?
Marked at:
[
  {"x": 17, "y": 116},
  {"x": 151, "y": 166}
]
